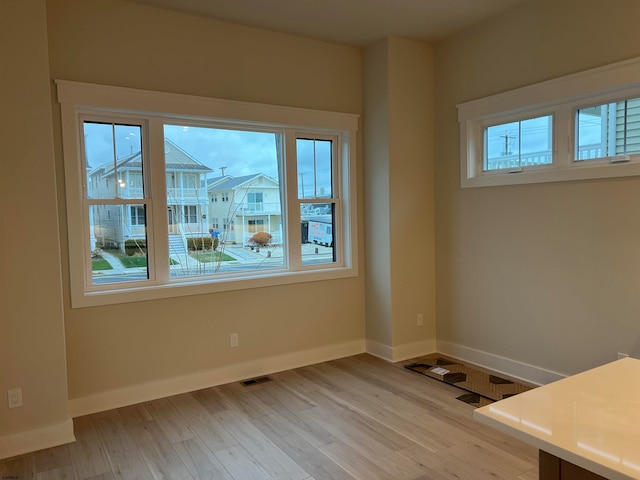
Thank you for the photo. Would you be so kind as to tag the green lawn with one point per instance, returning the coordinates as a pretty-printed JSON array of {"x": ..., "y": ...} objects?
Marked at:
[
  {"x": 100, "y": 263},
  {"x": 208, "y": 257},
  {"x": 131, "y": 262},
  {"x": 135, "y": 261}
]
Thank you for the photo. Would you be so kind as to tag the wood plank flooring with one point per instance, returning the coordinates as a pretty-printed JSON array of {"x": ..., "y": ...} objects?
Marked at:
[{"x": 353, "y": 418}]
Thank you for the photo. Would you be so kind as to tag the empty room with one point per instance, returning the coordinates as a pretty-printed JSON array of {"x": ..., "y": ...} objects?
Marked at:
[{"x": 300, "y": 239}]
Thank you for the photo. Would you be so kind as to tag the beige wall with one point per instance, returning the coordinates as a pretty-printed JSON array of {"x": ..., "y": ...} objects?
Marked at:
[
  {"x": 411, "y": 189},
  {"x": 32, "y": 353},
  {"x": 119, "y": 43},
  {"x": 543, "y": 274},
  {"x": 399, "y": 176},
  {"x": 376, "y": 173}
]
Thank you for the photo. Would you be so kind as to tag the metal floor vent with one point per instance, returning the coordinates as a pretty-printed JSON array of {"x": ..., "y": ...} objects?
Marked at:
[{"x": 255, "y": 381}]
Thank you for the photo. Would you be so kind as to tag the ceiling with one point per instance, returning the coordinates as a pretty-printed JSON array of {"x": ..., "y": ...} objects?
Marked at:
[{"x": 348, "y": 22}]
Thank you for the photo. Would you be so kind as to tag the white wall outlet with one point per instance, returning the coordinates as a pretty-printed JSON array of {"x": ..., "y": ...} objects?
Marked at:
[
  {"x": 420, "y": 319},
  {"x": 233, "y": 340},
  {"x": 14, "y": 397},
  {"x": 622, "y": 355}
]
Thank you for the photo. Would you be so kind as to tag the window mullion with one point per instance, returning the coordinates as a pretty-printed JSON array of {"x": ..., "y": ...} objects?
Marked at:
[
  {"x": 564, "y": 135},
  {"x": 291, "y": 202},
  {"x": 158, "y": 240}
]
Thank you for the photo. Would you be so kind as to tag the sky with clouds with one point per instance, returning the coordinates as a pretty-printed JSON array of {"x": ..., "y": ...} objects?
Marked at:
[{"x": 234, "y": 152}]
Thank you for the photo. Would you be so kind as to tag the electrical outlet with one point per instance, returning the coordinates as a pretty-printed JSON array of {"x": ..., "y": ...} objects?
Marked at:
[
  {"x": 233, "y": 340},
  {"x": 420, "y": 319},
  {"x": 14, "y": 397}
]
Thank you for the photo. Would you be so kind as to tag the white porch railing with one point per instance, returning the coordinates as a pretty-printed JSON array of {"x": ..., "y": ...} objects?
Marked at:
[{"x": 544, "y": 157}]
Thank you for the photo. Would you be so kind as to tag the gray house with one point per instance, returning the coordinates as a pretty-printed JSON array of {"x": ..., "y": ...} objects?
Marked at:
[{"x": 113, "y": 225}]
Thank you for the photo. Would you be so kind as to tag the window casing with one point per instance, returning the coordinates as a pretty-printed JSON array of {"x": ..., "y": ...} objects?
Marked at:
[
  {"x": 145, "y": 189},
  {"x": 582, "y": 126}
]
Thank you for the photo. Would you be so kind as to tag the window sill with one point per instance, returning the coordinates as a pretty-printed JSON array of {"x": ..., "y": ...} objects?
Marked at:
[
  {"x": 128, "y": 294},
  {"x": 540, "y": 175}
]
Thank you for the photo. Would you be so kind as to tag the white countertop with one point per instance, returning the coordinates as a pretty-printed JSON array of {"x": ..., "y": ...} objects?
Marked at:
[{"x": 591, "y": 419}]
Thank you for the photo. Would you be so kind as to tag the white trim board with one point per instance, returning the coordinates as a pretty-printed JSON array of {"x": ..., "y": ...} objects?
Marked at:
[
  {"x": 218, "y": 376},
  {"x": 37, "y": 439},
  {"x": 401, "y": 352},
  {"x": 512, "y": 368}
]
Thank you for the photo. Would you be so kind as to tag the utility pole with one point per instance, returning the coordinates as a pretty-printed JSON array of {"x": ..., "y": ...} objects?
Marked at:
[
  {"x": 302, "y": 182},
  {"x": 506, "y": 144}
]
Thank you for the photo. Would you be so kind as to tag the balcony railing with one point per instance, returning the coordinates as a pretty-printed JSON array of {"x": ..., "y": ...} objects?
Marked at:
[
  {"x": 544, "y": 157},
  {"x": 262, "y": 208}
]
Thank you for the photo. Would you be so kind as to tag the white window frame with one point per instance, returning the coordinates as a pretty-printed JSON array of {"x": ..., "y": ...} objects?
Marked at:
[
  {"x": 77, "y": 99},
  {"x": 560, "y": 97},
  {"x": 134, "y": 218},
  {"x": 187, "y": 213}
]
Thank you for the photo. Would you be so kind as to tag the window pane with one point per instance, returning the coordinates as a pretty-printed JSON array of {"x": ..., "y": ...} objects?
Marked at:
[
  {"x": 519, "y": 144},
  {"x": 608, "y": 130},
  {"x": 118, "y": 243},
  {"x": 632, "y": 126},
  {"x": 113, "y": 160},
  {"x": 314, "y": 168},
  {"x": 223, "y": 197},
  {"x": 318, "y": 233},
  {"x": 591, "y": 134}
]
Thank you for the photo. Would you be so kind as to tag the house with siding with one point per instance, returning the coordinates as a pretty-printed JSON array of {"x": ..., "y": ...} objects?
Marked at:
[
  {"x": 113, "y": 225},
  {"x": 239, "y": 207}
]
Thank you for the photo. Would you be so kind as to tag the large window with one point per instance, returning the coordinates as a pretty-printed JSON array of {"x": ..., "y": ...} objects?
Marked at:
[
  {"x": 583, "y": 126},
  {"x": 144, "y": 217}
]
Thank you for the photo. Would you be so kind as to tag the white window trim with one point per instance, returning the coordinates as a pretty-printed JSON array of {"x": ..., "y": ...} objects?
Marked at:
[
  {"x": 76, "y": 98},
  {"x": 560, "y": 97}
]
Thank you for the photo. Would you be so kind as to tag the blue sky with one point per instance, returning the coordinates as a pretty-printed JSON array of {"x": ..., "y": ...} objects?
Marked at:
[{"x": 236, "y": 152}]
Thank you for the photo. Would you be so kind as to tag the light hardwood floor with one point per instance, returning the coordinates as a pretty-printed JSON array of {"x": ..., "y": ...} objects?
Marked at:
[{"x": 353, "y": 418}]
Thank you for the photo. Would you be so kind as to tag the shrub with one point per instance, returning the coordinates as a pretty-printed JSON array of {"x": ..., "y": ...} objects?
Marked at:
[
  {"x": 199, "y": 243},
  {"x": 130, "y": 244},
  {"x": 131, "y": 247},
  {"x": 261, "y": 238}
]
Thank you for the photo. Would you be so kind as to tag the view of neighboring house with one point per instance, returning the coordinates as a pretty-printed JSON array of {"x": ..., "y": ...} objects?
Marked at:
[
  {"x": 113, "y": 225},
  {"x": 606, "y": 130},
  {"x": 239, "y": 207},
  {"x": 186, "y": 192}
]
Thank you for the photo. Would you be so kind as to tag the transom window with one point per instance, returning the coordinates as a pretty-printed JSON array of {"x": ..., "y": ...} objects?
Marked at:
[
  {"x": 511, "y": 146},
  {"x": 583, "y": 126},
  {"x": 149, "y": 224}
]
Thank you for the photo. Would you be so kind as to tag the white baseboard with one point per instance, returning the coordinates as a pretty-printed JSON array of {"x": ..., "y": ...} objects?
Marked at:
[
  {"x": 400, "y": 352},
  {"x": 512, "y": 368},
  {"x": 37, "y": 439},
  {"x": 380, "y": 350},
  {"x": 100, "y": 402}
]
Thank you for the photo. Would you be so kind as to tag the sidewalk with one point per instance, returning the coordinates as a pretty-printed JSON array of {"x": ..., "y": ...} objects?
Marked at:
[
  {"x": 116, "y": 265},
  {"x": 241, "y": 256}
]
